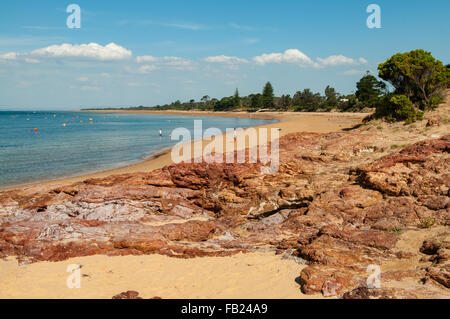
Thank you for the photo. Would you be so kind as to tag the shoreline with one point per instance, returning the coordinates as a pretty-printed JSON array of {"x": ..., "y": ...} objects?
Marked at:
[{"x": 286, "y": 122}]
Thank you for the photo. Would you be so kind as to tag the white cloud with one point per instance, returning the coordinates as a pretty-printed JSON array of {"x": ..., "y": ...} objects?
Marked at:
[
  {"x": 336, "y": 60},
  {"x": 292, "y": 56},
  {"x": 146, "y": 58},
  {"x": 96, "y": 51},
  {"x": 225, "y": 59},
  {"x": 105, "y": 75},
  {"x": 363, "y": 61},
  {"x": 9, "y": 56},
  {"x": 168, "y": 61},
  {"x": 83, "y": 79},
  {"x": 145, "y": 69}
]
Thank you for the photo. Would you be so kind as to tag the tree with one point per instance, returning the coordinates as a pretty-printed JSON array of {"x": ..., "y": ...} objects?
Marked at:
[
  {"x": 256, "y": 101},
  {"x": 237, "y": 99},
  {"x": 225, "y": 104},
  {"x": 331, "y": 96},
  {"x": 285, "y": 101},
  {"x": 369, "y": 89},
  {"x": 307, "y": 100},
  {"x": 418, "y": 76},
  {"x": 268, "y": 96}
]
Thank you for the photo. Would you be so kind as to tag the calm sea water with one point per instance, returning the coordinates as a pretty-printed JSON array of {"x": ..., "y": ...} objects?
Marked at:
[{"x": 88, "y": 142}]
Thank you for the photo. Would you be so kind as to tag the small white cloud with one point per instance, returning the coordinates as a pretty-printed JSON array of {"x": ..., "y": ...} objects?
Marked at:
[
  {"x": 9, "y": 56},
  {"x": 105, "y": 75},
  {"x": 363, "y": 61},
  {"x": 336, "y": 60},
  {"x": 145, "y": 69},
  {"x": 83, "y": 79},
  {"x": 111, "y": 51},
  {"x": 291, "y": 56},
  {"x": 146, "y": 58},
  {"x": 225, "y": 59},
  {"x": 168, "y": 61}
]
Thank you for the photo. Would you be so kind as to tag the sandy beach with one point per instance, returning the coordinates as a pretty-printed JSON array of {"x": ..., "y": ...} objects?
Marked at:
[
  {"x": 245, "y": 276},
  {"x": 288, "y": 122}
]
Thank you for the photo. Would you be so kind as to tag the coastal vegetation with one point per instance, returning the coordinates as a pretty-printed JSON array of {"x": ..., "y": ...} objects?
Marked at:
[{"x": 408, "y": 84}]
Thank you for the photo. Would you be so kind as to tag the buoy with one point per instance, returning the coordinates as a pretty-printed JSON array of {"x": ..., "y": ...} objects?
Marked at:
[
  {"x": 64, "y": 125},
  {"x": 91, "y": 123},
  {"x": 35, "y": 129}
]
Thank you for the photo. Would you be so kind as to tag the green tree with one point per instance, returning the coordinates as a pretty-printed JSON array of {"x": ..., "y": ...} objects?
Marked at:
[
  {"x": 417, "y": 75},
  {"x": 256, "y": 101},
  {"x": 307, "y": 100},
  {"x": 225, "y": 104},
  {"x": 237, "y": 99},
  {"x": 331, "y": 96},
  {"x": 268, "y": 96},
  {"x": 369, "y": 89}
]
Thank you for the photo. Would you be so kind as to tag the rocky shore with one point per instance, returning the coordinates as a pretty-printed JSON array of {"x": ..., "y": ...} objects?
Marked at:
[{"x": 339, "y": 203}]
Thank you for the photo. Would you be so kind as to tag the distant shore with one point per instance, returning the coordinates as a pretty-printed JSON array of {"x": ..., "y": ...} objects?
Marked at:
[{"x": 288, "y": 122}]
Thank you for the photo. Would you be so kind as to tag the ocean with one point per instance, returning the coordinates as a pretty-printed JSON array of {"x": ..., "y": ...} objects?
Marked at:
[{"x": 41, "y": 146}]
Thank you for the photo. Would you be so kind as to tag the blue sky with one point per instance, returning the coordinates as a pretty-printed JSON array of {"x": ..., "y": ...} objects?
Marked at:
[{"x": 162, "y": 51}]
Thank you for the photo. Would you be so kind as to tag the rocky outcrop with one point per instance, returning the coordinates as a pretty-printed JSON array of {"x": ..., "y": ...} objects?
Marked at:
[{"x": 338, "y": 203}]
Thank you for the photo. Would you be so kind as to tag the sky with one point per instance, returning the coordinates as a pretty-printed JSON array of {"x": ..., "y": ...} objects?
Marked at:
[{"x": 130, "y": 53}]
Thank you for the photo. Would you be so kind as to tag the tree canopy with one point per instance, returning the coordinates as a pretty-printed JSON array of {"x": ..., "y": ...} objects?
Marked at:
[{"x": 417, "y": 75}]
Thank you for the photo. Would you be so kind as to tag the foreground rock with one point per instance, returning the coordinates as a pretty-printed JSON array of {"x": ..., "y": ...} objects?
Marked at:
[{"x": 339, "y": 203}]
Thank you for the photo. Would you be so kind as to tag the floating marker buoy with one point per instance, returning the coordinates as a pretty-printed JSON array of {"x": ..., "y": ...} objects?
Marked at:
[
  {"x": 35, "y": 129},
  {"x": 64, "y": 125}
]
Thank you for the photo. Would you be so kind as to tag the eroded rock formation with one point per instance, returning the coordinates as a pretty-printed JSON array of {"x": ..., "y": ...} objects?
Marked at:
[{"x": 337, "y": 204}]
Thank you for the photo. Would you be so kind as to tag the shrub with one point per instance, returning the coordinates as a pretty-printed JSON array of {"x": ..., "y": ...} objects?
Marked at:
[{"x": 398, "y": 107}]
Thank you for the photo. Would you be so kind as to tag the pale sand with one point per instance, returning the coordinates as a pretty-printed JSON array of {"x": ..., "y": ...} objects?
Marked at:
[
  {"x": 243, "y": 276},
  {"x": 289, "y": 122},
  {"x": 261, "y": 275}
]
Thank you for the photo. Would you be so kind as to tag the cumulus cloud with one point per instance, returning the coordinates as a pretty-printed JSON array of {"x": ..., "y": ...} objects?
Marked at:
[
  {"x": 83, "y": 79},
  {"x": 225, "y": 59},
  {"x": 96, "y": 51},
  {"x": 291, "y": 56}
]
